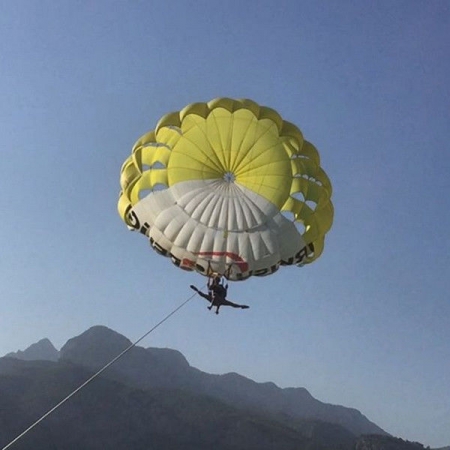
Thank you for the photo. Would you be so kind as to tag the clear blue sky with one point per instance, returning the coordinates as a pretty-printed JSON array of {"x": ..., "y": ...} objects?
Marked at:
[{"x": 365, "y": 326}]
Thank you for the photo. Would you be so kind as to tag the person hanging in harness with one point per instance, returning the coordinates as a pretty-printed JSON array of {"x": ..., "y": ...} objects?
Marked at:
[{"x": 217, "y": 293}]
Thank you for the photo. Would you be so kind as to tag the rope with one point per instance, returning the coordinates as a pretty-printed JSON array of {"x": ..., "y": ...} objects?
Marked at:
[{"x": 78, "y": 389}]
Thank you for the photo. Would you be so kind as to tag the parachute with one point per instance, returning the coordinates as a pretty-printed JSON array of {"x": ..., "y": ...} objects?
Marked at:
[{"x": 228, "y": 187}]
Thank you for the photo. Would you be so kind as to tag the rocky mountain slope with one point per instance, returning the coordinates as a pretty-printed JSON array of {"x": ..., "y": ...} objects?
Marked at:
[
  {"x": 164, "y": 368},
  {"x": 152, "y": 399}
]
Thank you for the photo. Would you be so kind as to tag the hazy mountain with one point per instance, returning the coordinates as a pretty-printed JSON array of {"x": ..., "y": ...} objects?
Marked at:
[
  {"x": 108, "y": 414},
  {"x": 42, "y": 350},
  {"x": 164, "y": 368},
  {"x": 152, "y": 399}
]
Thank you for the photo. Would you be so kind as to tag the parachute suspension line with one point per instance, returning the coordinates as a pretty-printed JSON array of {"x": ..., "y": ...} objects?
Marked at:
[
  {"x": 210, "y": 273},
  {"x": 228, "y": 271},
  {"x": 78, "y": 389}
]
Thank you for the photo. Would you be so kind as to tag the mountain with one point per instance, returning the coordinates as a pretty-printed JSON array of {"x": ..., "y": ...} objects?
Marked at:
[
  {"x": 374, "y": 442},
  {"x": 113, "y": 415},
  {"x": 168, "y": 369},
  {"x": 110, "y": 414},
  {"x": 42, "y": 350},
  {"x": 152, "y": 399}
]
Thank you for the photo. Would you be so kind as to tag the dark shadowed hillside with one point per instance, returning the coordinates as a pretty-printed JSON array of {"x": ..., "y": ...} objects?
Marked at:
[
  {"x": 109, "y": 414},
  {"x": 374, "y": 442},
  {"x": 163, "y": 368},
  {"x": 153, "y": 399}
]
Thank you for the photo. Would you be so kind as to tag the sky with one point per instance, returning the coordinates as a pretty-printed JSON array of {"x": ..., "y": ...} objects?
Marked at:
[{"x": 368, "y": 324}]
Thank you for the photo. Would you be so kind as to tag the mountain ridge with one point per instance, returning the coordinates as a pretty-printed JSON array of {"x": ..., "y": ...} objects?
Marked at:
[
  {"x": 150, "y": 368},
  {"x": 153, "y": 398},
  {"x": 41, "y": 350}
]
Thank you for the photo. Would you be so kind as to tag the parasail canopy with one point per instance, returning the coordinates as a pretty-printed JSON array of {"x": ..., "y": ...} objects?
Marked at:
[{"x": 229, "y": 187}]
